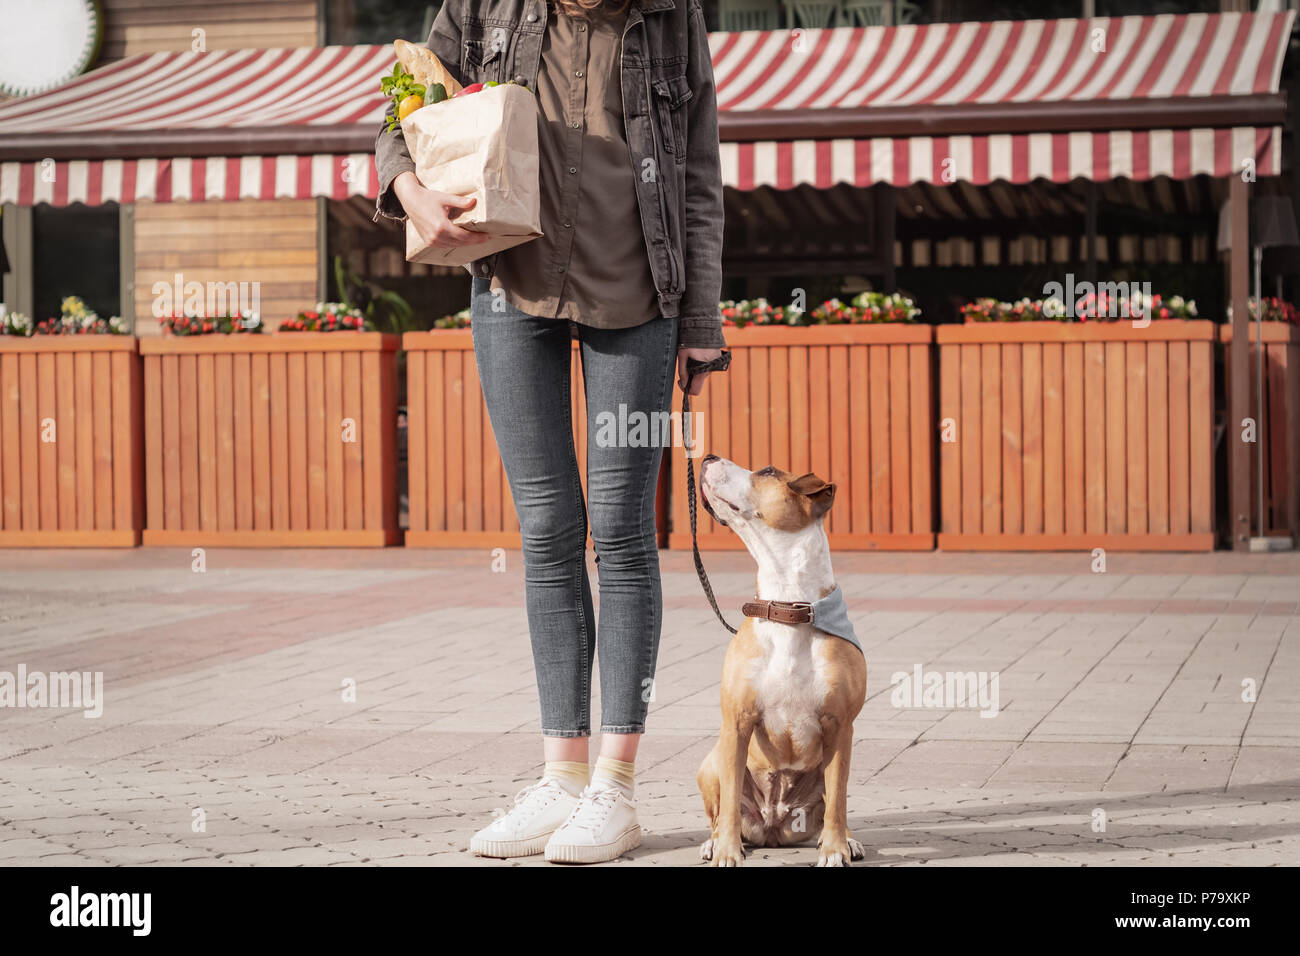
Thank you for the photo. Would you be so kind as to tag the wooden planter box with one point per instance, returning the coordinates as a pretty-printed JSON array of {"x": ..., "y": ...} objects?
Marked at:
[
  {"x": 281, "y": 440},
  {"x": 849, "y": 402},
  {"x": 1281, "y": 438},
  {"x": 70, "y": 442},
  {"x": 1076, "y": 436},
  {"x": 458, "y": 493}
]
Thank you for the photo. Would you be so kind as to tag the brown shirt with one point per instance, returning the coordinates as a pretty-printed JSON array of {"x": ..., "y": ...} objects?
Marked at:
[{"x": 591, "y": 264}]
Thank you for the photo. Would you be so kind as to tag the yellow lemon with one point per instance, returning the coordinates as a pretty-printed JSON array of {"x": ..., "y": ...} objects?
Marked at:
[{"x": 409, "y": 106}]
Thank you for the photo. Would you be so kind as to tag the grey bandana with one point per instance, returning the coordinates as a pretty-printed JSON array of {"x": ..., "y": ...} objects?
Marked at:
[{"x": 831, "y": 614}]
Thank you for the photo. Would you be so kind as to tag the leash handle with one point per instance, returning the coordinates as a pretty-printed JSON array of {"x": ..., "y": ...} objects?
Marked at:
[{"x": 696, "y": 367}]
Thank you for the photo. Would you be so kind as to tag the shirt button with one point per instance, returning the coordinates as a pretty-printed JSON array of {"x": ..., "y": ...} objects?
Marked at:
[
  {"x": 567, "y": 224},
  {"x": 532, "y": 17},
  {"x": 519, "y": 78},
  {"x": 577, "y": 73},
  {"x": 559, "y": 268},
  {"x": 573, "y": 169},
  {"x": 577, "y": 125}
]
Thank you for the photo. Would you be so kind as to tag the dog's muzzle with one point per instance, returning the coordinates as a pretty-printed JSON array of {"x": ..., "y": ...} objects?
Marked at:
[{"x": 703, "y": 495}]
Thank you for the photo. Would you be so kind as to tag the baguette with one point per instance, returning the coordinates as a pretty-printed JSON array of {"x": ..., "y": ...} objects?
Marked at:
[{"x": 427, "y": 69}]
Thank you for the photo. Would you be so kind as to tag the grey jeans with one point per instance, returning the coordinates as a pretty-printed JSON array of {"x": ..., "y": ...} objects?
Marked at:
[{"x": 523, "y": 365}]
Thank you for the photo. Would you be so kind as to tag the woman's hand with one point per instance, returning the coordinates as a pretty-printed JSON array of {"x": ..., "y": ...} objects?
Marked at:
[
  {"x": 700, "y": 355},
  {"x": 428, "y": 209}
]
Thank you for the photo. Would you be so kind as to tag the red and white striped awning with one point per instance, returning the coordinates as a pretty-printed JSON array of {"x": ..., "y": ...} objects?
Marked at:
[
  {"x": 221, "y": 95},
  {"x": 97, "y": 181},
  {"x": 944, "y": 67},
  {"x": 1014, "y": 157},
  {"x": 266, "y": 124}
]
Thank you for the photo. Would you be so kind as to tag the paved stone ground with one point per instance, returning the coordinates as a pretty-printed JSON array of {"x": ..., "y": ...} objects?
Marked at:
[{"x": 1121, "y": 694}]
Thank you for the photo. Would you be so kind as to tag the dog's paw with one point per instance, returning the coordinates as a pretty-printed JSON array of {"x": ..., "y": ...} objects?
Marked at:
[
  {"x": 706, "y": 850},
  {"x": 720, "y": 854},
  {"x": 838, "y": 852}
]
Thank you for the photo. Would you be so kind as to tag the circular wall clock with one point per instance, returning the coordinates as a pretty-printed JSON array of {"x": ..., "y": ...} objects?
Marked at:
[{"x": 45, "y": 43}]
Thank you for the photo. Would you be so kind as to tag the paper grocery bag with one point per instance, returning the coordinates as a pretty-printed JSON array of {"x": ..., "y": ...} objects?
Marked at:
[{"x": 483, "y": 144}]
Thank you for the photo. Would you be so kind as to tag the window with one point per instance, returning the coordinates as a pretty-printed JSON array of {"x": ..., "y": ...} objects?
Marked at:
[
  {"x": 76, "y": 250},
  {"x": 349, "y": 22}
]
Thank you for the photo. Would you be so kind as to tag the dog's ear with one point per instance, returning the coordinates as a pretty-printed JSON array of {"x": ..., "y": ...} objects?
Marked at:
[
  {"x": 820, "y": 493},
  {"x": 808, "y": 484}
]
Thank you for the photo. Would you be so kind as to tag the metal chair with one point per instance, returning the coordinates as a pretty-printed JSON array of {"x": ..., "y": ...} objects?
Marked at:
[
  {"x": 812, "y": 16},
  {"x": 748, "y": 15}
]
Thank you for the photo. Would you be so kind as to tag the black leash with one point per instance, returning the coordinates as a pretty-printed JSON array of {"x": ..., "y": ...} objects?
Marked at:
[{"x": 693, "y": 368}]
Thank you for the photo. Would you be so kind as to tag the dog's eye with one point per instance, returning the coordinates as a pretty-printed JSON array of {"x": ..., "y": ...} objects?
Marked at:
[{"x": 769, "y": 470}]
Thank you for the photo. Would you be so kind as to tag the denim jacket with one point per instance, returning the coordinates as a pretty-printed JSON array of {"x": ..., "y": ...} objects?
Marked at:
[{"x": 671, "y": 118}]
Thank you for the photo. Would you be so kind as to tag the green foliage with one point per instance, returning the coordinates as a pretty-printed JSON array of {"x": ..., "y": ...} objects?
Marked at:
[{"x": 383, "y": 308}]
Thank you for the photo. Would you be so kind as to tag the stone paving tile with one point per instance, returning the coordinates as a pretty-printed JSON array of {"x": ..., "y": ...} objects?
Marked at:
[{"x": 1163, "y": 695}]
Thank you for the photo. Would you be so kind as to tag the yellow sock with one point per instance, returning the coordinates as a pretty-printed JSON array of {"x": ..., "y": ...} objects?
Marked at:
[
  {"x": 616, "y": 773},
  {"x": 569, "y": 774}
]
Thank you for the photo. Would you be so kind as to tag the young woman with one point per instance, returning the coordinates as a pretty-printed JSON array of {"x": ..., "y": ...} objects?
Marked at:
[{"x": 630, "y": 260}]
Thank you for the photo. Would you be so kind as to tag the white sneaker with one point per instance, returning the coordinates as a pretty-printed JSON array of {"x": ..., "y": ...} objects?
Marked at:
[
  {"x": 524, "y": 829},
  {"x": 601, "y": 827}
]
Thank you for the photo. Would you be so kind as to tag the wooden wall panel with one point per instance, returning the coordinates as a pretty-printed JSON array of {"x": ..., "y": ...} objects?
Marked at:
[
  {"x": 269, "y": 242},
  {"x": 71, "y": 470},
  {"x": 1280, "y": 435},
  {"x": 1105, "y": 436},
  {"x": 150, "y": 26},
  {"x": 284, "y": 440},
  {"x": 853, "y": 404}
]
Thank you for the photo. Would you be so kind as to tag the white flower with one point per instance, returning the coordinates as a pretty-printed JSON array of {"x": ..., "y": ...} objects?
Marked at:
[
  {"x": 1053, "y": 308},
  {"x": 16, "y": 323}
]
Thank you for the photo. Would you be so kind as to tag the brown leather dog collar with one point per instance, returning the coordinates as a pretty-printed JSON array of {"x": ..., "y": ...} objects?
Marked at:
[{"x": 783, "y": 612}]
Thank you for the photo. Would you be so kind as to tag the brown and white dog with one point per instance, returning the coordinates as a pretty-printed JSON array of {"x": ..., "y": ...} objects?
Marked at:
[{"x": 780, "y": 770}]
